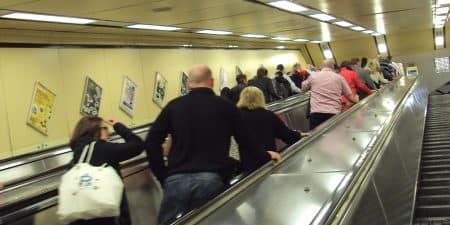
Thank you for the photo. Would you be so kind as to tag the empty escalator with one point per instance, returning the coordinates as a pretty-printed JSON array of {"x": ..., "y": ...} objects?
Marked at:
[{"x": 433, "y": 192}]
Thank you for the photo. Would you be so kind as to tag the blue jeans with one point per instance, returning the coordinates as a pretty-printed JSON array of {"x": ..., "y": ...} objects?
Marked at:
[{"x": 184, "y": 192}]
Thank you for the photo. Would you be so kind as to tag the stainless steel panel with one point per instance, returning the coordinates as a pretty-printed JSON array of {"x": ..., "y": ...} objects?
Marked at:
[
  {"x": 15, "y": 174},
  {"x": 335, "y": 151},
  {"x": 369, "y": 212},
  {"x": 280, "y": 199}
]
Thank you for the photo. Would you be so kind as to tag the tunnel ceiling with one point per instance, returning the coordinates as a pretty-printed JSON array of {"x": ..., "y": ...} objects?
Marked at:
[{"x": 237, "y": 16}]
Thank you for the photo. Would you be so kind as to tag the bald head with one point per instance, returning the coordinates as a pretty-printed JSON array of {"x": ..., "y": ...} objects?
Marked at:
[
  {"x": 328, "y": 64},
  {"x": 200, "y": 76}
]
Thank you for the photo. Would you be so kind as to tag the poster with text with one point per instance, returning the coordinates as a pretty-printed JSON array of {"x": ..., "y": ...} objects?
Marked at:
[
  {"x": 160, "y": 90},
  {"x": 128, "y": 97},
  {"x": 41, "y": 109},
  {"x": 92, "y": 96},
  {"x": 183, "y": 85}
]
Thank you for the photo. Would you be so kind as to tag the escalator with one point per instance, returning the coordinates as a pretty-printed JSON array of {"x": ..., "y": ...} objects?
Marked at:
[{"x": 433, "y": 192}]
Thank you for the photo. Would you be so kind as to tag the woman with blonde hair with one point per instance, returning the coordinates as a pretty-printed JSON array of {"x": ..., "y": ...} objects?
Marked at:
[
  {"x": 264, "y": 125},
  {"x": 373, "y": 66}
]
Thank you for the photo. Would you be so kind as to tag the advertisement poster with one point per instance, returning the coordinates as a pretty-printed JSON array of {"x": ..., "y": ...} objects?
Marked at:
[
  {"x": 128, "y": 97},
  {"x": 92, "y": 96},
  {"x": 160, "y": 90},
  {"x": 41, "y": 109},
  {"x": 223, "y": 78},
  {"x": 183, "y": 84}
]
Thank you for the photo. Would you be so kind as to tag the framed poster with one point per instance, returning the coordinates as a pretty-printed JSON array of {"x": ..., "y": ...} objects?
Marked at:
[
  {"x": 183, "y": 84},
  {"x": 41, "y": 109},
  {"x": 160, "y": 90},
  {"x": 92, "y": 96},
  {"x": 128, "y": 97},
  {"x": 223, "y": 78}
]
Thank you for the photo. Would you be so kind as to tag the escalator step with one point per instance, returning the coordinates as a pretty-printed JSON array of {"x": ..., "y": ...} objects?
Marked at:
[
  {"x": 436, "y": 190},
  {"x": 433, "y": 211},
  {"x": 435, "y": 174},
  {"x": 435, "y": 156},
  {"x": 435, "y": 168},
  {"x": 432, "y": 221},
  {"x": 442, "y": 151},
  {"x": 433, "y": 200},
  {"x": 429, "y": 162},
  {"x": 435, "y": 182},
  {"x": 436, "y": 147}
]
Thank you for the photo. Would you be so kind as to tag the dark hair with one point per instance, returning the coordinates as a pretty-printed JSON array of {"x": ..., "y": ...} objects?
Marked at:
[
  {"x": 225, "y": 93},
  {"x": 364, "y": 62},
  {"x": 87, "y": 126},
  {"x": 279, "y": 74},
  {"x": 241, "y": 78},
  {"x": 355, "y": 61},
  {"x": 261, "y": 72},
  {"x": 347, "y": 65},
  {"x": 280, "y": 67}
]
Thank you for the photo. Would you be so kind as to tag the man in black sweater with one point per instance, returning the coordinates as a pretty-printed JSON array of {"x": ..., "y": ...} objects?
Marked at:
[{"x": 201, "y": 125}]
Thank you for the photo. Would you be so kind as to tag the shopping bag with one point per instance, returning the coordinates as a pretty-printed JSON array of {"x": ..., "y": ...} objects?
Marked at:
[{"x": 88, "y": 192}]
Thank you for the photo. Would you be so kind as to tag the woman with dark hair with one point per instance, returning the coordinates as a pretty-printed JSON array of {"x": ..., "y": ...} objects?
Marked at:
[
  {"x": 95, "y": 129},
  {"x": 264, "y": 83},
  {"x": 226, "y": 93}
]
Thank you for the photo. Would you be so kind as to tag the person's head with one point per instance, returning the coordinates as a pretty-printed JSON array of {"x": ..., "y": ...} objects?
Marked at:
[
  {"x": 251, "y": 98},
  {"x": 241, "y": 79},
  {"x": 261, "y": 72},
  {"x": 90, "y": 126},
  {"x": 296, "y": 67},
  {"x": 280, "y": 67},
  {"x": 364, "y": 62},
  {"x": 346, "y": 65},
  {"x": 200, "y": 76},
  {"x": 225, "y": 92},
  {"x": 356, "y": 62},
  {"x": 389, "y": 58},
  {"x": 279, "y": 74},
  {"x": 373, "y": 65},
  {"x": 328, "y": 63}
]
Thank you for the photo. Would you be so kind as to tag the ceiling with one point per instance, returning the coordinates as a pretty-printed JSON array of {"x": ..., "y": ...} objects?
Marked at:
[{"x": 238, "y": 16}]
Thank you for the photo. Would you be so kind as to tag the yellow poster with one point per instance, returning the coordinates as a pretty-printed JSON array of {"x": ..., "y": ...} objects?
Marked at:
[{"x": 41, "y": 109}]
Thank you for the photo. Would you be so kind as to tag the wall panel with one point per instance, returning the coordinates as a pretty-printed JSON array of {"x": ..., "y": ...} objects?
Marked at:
[
  {"x": 5, "y": 142},
  {"x": 347, "y": 49},
  {"x": 403, "y": 44},
  {"x": 316, "y": 54}
]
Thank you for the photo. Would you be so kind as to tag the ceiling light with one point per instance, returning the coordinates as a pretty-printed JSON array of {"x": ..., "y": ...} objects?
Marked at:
[
  {"x": 280, "y": 47},
  {"x": 322, "y": 16},
  {"x": 344, "y": 24},
  {"x": 442, "y": 10},
  {"x": 439, "y": 40},
  {"x": 443, "y": 2},
  {"x": 253, "y": 36},
  {"x": 377, "y": 34},
  {"x": 153, "y": 27},
  {"x": 316, "y": 42},
  {"x": 288, "y": 6},
  {"x": 357, "y": 28},
  {"x": 47, "y": 18},
  {"x": 368, "y": 31},
  {"x": 382, "y": 48},
  {"x": 233, "y": 46},
  {"x": 300, "y": 40},
  {"x": 187, "y": 45},
  {"x": 216, "y": 32},
  {"x": 281, "y": 38}
]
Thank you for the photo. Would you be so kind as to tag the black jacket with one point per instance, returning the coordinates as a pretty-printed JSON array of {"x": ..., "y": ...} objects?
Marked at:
[
  {"x": 112, "y": 154},
  {"x": 235, "y": 92},
  {"x": 201, "y": 125},
  {"x": 266, "y": 86},
  {"x": 265, "y": 126}
]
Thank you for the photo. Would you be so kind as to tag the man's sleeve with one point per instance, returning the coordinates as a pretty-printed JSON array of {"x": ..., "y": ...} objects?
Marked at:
[{"x": 306, "y": 85}]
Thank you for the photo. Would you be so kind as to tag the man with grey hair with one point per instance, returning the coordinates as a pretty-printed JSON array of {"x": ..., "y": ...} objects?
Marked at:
[
  {"x": 201, "y": 125},
  {"x": 327, "y": 89}
]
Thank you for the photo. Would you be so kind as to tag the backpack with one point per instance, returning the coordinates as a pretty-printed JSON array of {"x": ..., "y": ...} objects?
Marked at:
[{"x": 88, "y": 192}]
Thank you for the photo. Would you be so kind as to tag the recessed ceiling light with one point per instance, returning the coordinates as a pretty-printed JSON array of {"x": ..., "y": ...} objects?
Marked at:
[
  {"x": 442, "y": 10},
  {"x": 216, "y": 32},
  {"x": 153, "y": 27},
  {"x": 301, "y": 40},
  {"x": 233, "y": 46},
  {"x": 316, "y": 42},
  {"x": 187, "y": 45},
  {"x": 357, "y": 28},
  {"x": 377, "y": 34},
  {"x": 281, "y": 38},
  {"x": 253, "y": 36},
  {"x": 288, "y": 6},
  {"x": 443, "y": 2},
  {"x": 322, "y": 16},
  {"x": 280, "y": 47},
  {"x": 368, "y": 31},
  {"x": 344, "y": 24},
  {"x": 47, "y": 18}
]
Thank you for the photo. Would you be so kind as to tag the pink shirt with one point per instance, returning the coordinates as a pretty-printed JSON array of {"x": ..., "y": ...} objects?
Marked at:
[{"x": 327, "y": 89}]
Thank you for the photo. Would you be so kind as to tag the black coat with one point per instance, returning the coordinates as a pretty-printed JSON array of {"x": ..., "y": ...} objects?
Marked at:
[
  {"x": 112, "y": 154},
  {"x": 266, "y": 86},
  {"x": 265, "y": 126},
  {"x": 235, "y": 92}
]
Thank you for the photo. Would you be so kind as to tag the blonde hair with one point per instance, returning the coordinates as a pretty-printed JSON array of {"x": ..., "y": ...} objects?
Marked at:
[
  {"x": 373, "y": 65},
  {"x": 251, "y": 98}
]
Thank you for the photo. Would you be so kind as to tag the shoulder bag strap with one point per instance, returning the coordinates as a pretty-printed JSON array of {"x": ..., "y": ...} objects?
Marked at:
[
  {"x": 83, "y": 154},
  {"x": 90, "y": 152}
]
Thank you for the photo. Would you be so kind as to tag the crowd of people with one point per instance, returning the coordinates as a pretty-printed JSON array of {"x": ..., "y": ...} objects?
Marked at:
[{"x": 188, "y": 145}]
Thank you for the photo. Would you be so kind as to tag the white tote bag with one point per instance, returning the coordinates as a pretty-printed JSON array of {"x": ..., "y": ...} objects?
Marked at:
[{"x": 88, "y": 192}]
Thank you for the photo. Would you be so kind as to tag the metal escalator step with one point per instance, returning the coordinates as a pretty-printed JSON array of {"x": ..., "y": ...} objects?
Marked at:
[
  {"x": 435, "y": 168},
  {"x": 436, "y": 190},
  {"x": 437, "y": 135},
  {"x": 435, "y": 174},
  {"x": 430, "y": 162},
  {"x": 438, "y": 151},
  {"x": 435, "y": 156},
  {"x": 437, "y": 146},
  {"x": 432, "y": 221},
  {"x": 433, "y": 200},
  {"x": 435, "y": 182},
  {"x": 433, "y": 210}
]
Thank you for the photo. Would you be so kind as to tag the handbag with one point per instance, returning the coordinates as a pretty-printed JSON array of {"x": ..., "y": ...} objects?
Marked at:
[{"x": 88, "y": 192}]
